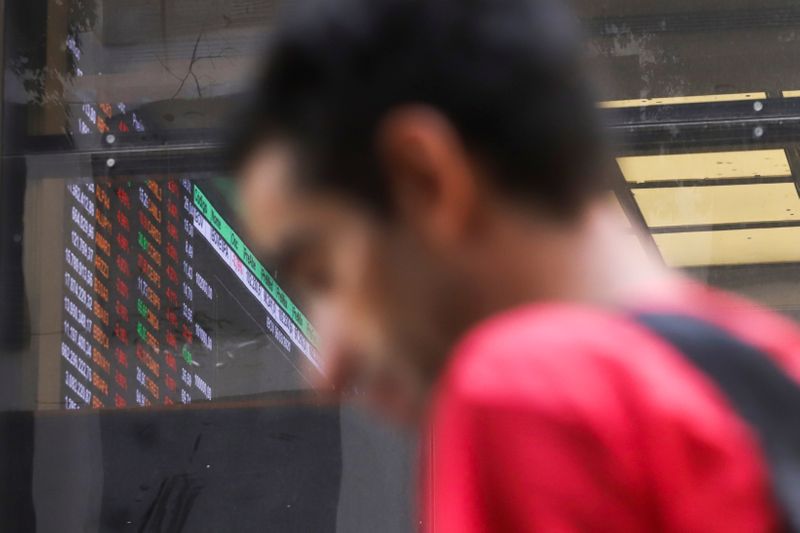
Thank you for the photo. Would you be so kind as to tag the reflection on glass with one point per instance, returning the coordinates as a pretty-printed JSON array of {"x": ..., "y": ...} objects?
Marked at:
[{"x": 153, "y": 372}]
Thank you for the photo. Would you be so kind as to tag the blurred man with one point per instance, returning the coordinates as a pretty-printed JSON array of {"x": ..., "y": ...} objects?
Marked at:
[{"x": 431, "y": 174}]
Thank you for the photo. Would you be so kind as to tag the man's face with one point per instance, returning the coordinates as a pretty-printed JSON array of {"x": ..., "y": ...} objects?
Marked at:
[{"x": 368, "y": 286}]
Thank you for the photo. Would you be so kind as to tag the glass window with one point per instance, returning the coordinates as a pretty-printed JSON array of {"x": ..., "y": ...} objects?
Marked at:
[
  {"x": 153, "y": 367},
  {"x": 701, "y": 99}
]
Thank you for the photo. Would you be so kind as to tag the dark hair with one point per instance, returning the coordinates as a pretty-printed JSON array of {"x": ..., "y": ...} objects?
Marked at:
[{"x": 508, "y": 74}]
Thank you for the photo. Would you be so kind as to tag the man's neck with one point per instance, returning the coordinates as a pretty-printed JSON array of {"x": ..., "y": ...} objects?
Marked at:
[{"x": 596, "y": 260}]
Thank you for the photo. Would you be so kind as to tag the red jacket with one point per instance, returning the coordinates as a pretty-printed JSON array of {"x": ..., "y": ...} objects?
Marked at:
[{"x": 559, "y": 417}]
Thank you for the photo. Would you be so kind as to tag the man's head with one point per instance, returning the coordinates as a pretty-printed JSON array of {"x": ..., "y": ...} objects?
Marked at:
[{"x": 399, "y": 155}]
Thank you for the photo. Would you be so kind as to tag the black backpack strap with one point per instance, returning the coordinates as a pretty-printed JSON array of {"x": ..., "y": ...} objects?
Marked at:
[{"x": 758, "y": 390}]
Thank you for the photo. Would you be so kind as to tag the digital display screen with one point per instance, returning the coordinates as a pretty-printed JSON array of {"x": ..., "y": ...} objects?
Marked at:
[
  {"x": 163, "y": 303},
  {"x": 105, "y": 118},
  {"x": 154, "y": 375}
]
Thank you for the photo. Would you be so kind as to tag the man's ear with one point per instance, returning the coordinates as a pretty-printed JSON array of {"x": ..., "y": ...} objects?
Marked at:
[{"x": 432, "y": 179}]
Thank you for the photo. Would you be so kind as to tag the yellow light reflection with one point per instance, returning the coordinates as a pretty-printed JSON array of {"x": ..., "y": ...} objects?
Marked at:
[
  {"x": 731, "y": 247},
  {"x": 718, "y": 204},
  {"x": 709, "y": 165},
  {"x": 678, "y": 100}
]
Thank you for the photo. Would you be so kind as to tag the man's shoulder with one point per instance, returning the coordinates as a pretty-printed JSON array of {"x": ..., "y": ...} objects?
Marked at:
[
  {"x": 567, "y": 358},
  {"x": 524, "y": 334},
  {"x": 546, "y": 351}
]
